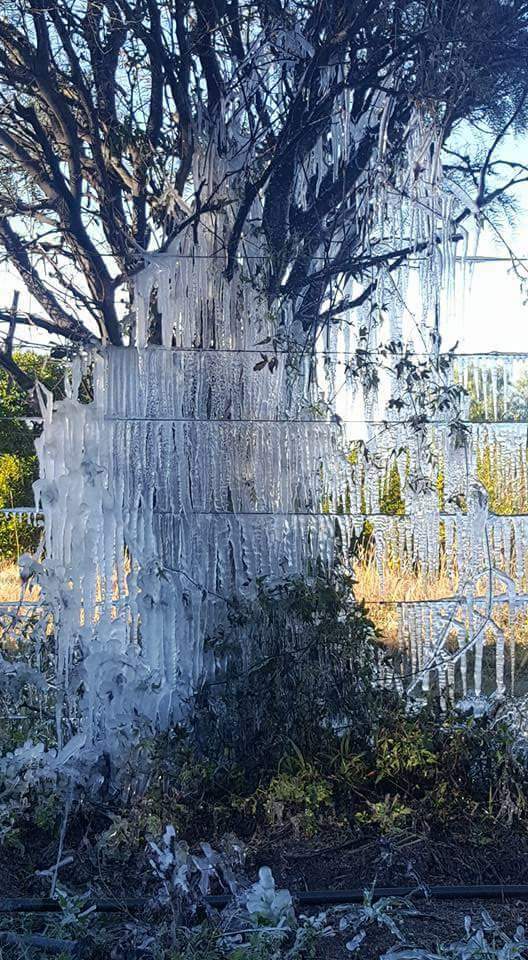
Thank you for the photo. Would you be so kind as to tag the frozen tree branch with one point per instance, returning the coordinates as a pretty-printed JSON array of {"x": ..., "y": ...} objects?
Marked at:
[{"x": 125, "y": 124}]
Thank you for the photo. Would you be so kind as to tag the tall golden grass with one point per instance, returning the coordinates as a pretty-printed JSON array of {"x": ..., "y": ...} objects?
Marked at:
[
  {"x": 373, "y": 586},
  {"x": 379, "y": 589},
  {"x": 10, "y": 584}
]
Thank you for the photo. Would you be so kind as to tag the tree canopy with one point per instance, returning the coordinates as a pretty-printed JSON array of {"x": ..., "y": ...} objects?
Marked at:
[{"x": 303, "y": 127}]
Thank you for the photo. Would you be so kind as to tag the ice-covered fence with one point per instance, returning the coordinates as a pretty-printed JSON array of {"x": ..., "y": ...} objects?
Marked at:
[
  {"x": 193, "y": 472},
  {"x": 190, "y": 475},
  {"x": 493, "y": 381},
  {"x": 466, "y": 644},
  {"x": 463, "y": 646}
]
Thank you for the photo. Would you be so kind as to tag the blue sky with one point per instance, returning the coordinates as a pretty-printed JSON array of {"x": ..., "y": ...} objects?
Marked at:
[{"x": 489, "y": 313}]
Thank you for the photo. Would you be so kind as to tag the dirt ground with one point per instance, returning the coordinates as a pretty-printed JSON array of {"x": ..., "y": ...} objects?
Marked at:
[
  {"x": 404, "y": 860},
  {"x": 332, "y": 860},
  {"x": 325, "y": 862},
  {"x": 435, "y": 922}
]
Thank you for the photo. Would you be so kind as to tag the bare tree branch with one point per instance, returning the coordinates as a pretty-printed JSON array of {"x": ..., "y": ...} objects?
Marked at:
[{"x": 126, "y": 124}]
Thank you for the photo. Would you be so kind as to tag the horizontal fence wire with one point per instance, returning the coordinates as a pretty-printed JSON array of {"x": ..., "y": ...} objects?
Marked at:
[
  {"x": 299, "y": 353},
  {"x": 331, "y": 514},
  {"x": 455, "y": 599}
]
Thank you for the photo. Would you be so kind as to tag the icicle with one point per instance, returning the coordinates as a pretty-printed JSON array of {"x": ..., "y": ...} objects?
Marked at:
[
  {"x": 484, "y": 390},
  {"x": 512, "y": 616},
  {"x": 493, "y": 376},
  {"x": 479, "y": 655},
  {"x": 499, "y": 662}
]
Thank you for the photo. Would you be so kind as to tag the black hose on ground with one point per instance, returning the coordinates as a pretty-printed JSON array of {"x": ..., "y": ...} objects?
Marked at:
[
  {"x": 320, "y": 898},
  {"x": 305, "y": 898}
]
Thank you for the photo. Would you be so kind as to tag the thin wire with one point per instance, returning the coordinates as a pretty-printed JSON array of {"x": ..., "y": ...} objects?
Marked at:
[
  {"x": 9, "y": 511},
  {"x": 331, "y": 515},
  {"x": 338, "y": 421},
  {"x": 455, "y": 599},
  {"x": 162, "y": 255},
  {"x": 9, "y": 604},
  {"x": 23, "y": 419},
  {"x": 268, "y": 349}
]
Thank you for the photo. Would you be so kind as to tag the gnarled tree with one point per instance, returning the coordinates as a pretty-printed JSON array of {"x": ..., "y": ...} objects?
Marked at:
[{"x": 127, "y": 125}]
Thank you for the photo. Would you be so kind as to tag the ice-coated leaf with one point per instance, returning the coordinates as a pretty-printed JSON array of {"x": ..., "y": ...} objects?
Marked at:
[
  {"x": 356, "y": 941},
  {"x": 266, "y": 903}
]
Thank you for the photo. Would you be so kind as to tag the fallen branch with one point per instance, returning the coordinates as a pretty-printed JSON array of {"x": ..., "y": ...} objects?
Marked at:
[{"x": 72, "y": 948}]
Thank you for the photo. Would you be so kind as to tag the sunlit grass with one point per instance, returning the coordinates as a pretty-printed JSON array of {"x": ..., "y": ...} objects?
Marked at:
[
  {"x": 10, "y": 583},
  {"x": 380, "y": 588}
]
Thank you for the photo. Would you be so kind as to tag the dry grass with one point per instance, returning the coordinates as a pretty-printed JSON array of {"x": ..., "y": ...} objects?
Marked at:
[
  {"x": 10, "y": 585},
  {"x": 392, "y": 582},
  {"x": 381, "y": 590},
  {"x": 378, "y": 588},
  {"x": 372, "y": 585}
]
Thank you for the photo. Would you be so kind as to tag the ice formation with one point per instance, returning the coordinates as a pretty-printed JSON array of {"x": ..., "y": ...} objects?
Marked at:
[
  {"x": 220, "y": 445},
  {"x": 191, "y": 475},
  {"x": 162, "y": 502}
]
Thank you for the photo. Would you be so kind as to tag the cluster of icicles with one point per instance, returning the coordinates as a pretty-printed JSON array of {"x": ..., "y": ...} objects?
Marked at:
[
  {"x": 170, "y": 494},
  {"x": 191, "y": 475},
  {"x": 222, "y": 455}
]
